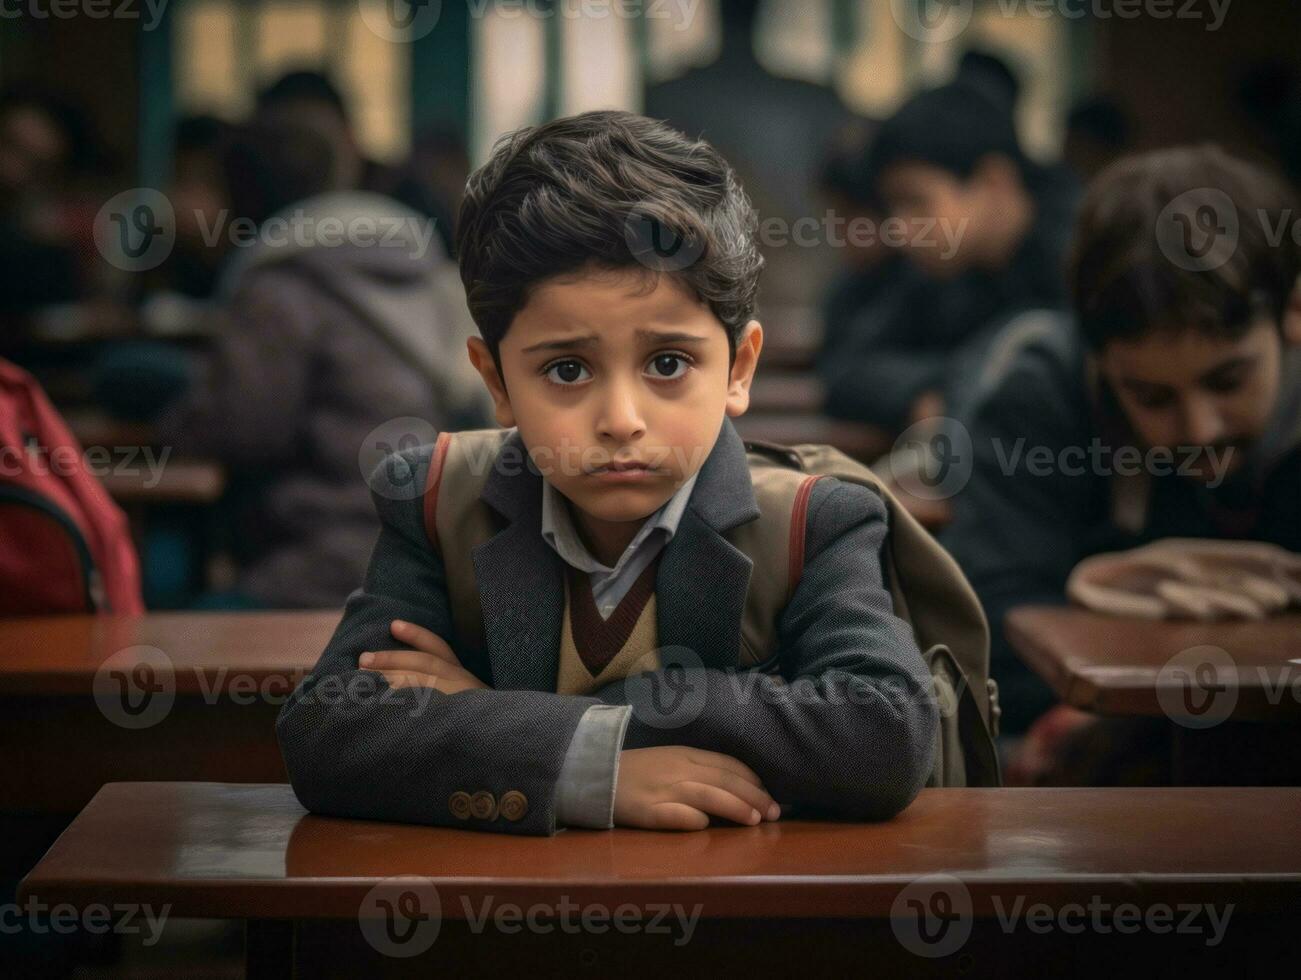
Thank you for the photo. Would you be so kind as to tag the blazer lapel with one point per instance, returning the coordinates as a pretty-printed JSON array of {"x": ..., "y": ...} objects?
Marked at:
[
  {"x": 703, "y": 579},
  {"x": 700, "y": 587},
  {"x": 521, "y": 578}
]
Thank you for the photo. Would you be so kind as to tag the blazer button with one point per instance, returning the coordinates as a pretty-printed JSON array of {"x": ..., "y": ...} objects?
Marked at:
[
  {"x": 514, "y": 805},
  {"x": 459, "y": 804},
  {"x": 483, "y": 805}
]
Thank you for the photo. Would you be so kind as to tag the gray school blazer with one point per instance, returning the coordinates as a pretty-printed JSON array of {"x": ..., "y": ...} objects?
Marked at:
[{"x": 853, "y": 739}]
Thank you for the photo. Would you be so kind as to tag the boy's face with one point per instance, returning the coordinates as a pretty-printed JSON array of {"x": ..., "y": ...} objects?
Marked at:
[
  {"x": 944, "y": 215},
  {"x": 1186, "y": 389},
  {"x": 616, "y": 367}
]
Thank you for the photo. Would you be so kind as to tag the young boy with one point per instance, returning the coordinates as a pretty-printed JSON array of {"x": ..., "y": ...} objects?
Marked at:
[
  {"x": 1172, "y": 408},
  {"x": 986, "y": 233},
  {"x": 619, "y": 376}
]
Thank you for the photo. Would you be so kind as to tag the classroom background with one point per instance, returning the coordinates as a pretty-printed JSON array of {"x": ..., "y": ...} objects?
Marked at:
[{"x": 148, "y": 151}]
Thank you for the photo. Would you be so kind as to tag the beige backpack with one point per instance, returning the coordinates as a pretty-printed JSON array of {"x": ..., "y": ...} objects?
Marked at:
[{"x": 928, "y": 589}]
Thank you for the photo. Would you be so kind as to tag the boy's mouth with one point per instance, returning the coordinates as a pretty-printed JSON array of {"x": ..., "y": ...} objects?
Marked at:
[{"x": 624, "y": 471}]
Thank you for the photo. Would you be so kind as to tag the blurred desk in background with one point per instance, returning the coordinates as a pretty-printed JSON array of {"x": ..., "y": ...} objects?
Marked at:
[{"x": 88, "y": 700}]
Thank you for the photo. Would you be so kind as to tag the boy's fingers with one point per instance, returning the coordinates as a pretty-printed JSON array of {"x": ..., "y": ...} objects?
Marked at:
[
  {"x": 401, "y": 660},
  {"x": 719, "y": 802},
  {"x": 677, "y": 816},
  {"x": 755, "y": 796},
  {"x": 422, "y": 639},
  {"x": 719, "y": 760},
  {"x": 409, "y": 678}
]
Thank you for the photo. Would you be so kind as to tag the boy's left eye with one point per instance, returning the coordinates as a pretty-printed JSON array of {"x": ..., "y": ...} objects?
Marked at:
[{"x": 663, "y": 366}]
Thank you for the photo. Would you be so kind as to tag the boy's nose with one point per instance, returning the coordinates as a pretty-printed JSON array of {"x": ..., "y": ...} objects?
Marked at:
[
  {"x": 620, "y": 419},
  {"x": 1203, "y": 422}
]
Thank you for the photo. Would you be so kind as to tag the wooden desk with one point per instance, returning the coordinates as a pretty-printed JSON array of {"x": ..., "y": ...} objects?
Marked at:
[
  {"x": 794, "y": 894},
  {"x": 1115, "y": 666},
  {"x": 202, "y": 689}
]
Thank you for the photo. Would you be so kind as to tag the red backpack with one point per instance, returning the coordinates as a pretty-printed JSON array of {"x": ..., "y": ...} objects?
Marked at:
[{"x": 64, "y": 544}]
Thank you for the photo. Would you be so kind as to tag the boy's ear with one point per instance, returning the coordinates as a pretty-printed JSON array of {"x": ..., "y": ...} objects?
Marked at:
[
  {"x": 747, "y": 359},
  {"x": 482, "y": 360},
  {"x": 996, "y": 170},
  {"x": 1292, "y": 317}
]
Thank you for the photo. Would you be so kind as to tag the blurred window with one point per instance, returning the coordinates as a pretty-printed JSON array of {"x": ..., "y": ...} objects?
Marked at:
[{"x": 225, "y": 50}]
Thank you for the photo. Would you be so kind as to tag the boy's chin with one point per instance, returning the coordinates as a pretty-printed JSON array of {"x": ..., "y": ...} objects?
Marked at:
[{"x": 623, "y": 504}]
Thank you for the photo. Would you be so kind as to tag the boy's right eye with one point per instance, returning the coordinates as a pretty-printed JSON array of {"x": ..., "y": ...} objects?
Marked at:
[{"x": 564, "y": 373}]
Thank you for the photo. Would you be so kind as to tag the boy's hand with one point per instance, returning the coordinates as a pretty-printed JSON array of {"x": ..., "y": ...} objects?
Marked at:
[
  {"x": 431, "y": 664},
  {"x": 673, "y": 787}
]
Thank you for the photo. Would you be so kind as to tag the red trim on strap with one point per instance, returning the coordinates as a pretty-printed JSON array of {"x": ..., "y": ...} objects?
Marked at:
[
  {"x": 432, "y": 483},
  {"x": 799, "y": 520}
]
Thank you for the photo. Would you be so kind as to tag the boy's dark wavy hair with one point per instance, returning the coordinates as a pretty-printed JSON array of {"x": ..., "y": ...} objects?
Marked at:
[
  {"x": 1138, "y": 263},
  {"x": 611, "y": 190}
]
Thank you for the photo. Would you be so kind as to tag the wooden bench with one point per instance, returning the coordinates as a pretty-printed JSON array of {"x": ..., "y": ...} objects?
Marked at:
[{"x": 971, "y": 882}]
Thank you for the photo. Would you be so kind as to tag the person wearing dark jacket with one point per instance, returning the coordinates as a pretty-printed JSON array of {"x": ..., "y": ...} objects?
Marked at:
[
  {"x": 984, "y": 231},
  {"x": 340, "y": 326},
  {"x": 1170, "y": 406}
]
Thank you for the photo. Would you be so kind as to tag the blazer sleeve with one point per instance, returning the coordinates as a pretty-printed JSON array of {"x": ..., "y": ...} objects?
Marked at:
[
  {"x": 847, "y": 728},
  {"x": 355, "y": 747}
]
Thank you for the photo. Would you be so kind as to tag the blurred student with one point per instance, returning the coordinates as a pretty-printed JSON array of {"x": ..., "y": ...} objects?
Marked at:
[
  {"x": 1171, "y": 407},
  {"x": 333, "y": 320},
  {"x": 43, "y": 142},
  {"x": 985, "y": 231}
]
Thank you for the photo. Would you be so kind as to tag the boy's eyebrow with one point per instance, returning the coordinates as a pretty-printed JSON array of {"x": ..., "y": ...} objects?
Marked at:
[
  {"x": 1244, "y": 360},
  {"x": 591, "y": 340},
  {"x": 564, "y": 343},
  {"x": 669, "y": 336}
]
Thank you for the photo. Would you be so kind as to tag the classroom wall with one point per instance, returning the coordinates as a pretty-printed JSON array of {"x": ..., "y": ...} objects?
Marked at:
[{"x": 1180, "y": 79}]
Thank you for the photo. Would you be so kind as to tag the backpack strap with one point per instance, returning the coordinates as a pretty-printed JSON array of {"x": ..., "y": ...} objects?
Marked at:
[{"x": 457, "y": 521}]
